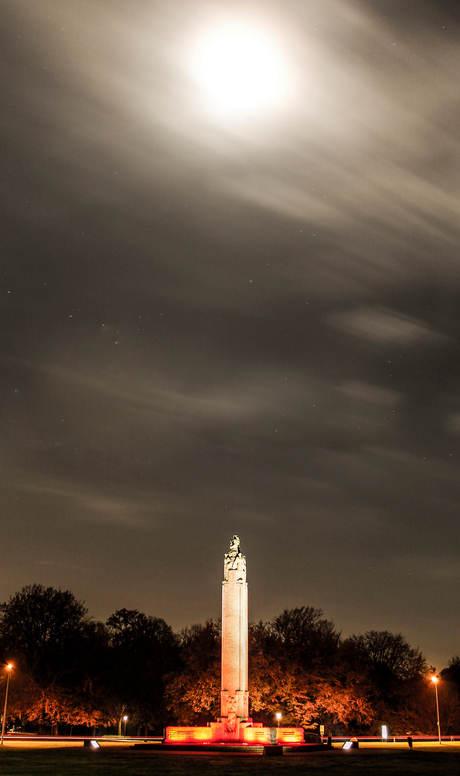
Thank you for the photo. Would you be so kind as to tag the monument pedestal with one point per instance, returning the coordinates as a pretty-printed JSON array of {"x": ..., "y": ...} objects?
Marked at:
[{"x": 243, "y": 733}]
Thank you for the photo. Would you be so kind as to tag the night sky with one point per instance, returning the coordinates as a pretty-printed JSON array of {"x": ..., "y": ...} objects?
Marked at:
[{"x": 233, "y": 321}]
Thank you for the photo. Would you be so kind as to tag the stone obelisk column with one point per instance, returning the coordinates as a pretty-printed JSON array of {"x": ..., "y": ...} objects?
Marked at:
[{"x": 234, "y": 689}]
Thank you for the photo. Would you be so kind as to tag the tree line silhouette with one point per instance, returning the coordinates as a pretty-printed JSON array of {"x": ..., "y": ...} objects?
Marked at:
[{"x": 72, "y": 671}]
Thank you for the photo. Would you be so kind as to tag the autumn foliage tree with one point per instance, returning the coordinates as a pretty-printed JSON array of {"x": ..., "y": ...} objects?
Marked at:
[
  {"x": 72, "y": 670},
  {"x": 395, "y": 674},
  {"x": 193, "y": 694},
  {"x": 295, "y": 670},
  {"x": 48, "y": 634}
]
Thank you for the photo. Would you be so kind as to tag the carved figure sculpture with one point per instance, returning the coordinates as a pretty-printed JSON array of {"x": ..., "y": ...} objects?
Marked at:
[{"x": 234, "y": 559}]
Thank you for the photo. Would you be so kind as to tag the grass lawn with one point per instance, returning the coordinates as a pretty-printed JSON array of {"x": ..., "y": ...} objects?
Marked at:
[{"x": 72, "y": 761}]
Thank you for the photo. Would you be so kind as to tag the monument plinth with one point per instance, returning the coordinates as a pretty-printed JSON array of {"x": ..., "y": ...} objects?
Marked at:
[{"x": 234, "y": 724}]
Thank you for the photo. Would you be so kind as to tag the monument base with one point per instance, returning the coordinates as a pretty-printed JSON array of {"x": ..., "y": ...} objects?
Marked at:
[{"x": 240, "y": 732}]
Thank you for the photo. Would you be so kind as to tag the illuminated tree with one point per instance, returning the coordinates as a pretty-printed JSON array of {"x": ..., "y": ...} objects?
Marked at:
[
  {"x": 72, "y": 670},
  {"x": 55, "y": 647},
  {"x": 193, "y": 694},
  {"x": 396, "y": 675},
  {"x": 307, "y": 694}
]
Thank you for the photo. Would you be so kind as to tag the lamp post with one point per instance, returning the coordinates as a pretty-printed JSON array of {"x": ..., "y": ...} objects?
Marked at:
[
  {"x": 435, "y": 681},
  {"x": 8, "y": 668},
  {"x": 125, "y": 719},
  {"x": 278, "y": 717}
]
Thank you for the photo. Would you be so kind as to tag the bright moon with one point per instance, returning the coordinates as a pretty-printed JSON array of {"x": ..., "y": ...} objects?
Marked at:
[{"x": 240, "y": 69}]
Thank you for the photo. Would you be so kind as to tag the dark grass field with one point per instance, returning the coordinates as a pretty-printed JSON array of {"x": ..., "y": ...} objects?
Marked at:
[{"x": 111, "y": 762}]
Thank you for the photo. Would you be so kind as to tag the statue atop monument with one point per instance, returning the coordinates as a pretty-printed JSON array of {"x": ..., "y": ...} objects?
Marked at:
[
  {"x": 234, "y": 559},
  {"x": 235, "y": 545}
]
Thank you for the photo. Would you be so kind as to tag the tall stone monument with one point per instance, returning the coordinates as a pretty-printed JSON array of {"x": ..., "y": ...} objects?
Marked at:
[
  {"x": 234, "y": 682},
  {"x": 234, "y": 725}
]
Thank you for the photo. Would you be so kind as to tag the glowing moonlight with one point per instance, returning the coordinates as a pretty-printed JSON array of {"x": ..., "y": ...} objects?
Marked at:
[{"x": 240, "y": 69}]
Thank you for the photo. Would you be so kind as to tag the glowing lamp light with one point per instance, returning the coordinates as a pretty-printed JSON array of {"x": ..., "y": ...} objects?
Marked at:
[
  {"x": 240, "y": 69},
  {"x": 95, "y": 745},
  {"x": 435, "y": 681},
  {"x": 8, "y": 667},
  {"x": 347, "y": 745},
  {"x": 384, "y": 731}
]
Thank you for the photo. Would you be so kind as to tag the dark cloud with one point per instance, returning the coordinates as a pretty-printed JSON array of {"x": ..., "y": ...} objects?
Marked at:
[{"x": 214, "y": 324}]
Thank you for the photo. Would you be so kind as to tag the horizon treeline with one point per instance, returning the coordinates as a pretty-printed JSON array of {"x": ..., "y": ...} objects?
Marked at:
[{"x": 72, "y": 671}]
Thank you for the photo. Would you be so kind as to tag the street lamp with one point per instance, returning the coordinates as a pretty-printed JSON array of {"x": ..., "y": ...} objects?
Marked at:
[
  {"x": 435, "y": 681},
  {"x": 278, "y": 717},
  {"x": 125, "y": 719},
  {"x": 8, "y": 668}
]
